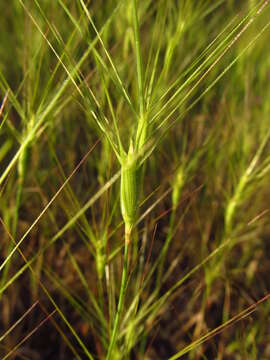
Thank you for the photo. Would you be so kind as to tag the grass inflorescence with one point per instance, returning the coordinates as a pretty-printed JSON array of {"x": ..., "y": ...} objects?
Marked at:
[{"x": 134, "y": 172}]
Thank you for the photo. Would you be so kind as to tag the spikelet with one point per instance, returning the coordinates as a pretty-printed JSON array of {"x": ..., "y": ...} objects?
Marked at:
[{"x": 129, "y": 188}]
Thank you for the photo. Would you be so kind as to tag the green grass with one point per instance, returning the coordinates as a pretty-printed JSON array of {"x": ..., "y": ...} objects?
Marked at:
[{"x": 134, "y": 179}]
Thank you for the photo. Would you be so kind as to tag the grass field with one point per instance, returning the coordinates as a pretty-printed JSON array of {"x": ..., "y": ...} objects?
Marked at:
[{"x": 134, "y": 179}]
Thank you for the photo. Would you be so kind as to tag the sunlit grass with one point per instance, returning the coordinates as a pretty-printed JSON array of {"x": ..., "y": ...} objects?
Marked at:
[{"x": 134, "y": 171}]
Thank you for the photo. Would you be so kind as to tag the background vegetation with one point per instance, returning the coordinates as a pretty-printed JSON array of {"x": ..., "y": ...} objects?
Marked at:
[{"x": 134, "y": 179}]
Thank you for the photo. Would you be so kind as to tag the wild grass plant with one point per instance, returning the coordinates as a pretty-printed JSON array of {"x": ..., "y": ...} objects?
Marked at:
[{"x": 134, "y": 171}]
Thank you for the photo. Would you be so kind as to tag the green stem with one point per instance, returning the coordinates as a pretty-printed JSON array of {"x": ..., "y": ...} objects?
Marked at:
[
  {"x": 122, "y": 293},
  {"x": 138, "y": 57},
  {"x": 130, "y": 180}
]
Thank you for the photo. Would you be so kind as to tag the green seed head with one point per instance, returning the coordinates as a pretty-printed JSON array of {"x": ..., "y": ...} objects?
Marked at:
[
  {"x": 101, "y": 262},
  {"x": 177, "y": 186},
  {"x": 129, "y": 188},
  {"x": 23, "y": 162},
  {"x": 101, "y": 254}
]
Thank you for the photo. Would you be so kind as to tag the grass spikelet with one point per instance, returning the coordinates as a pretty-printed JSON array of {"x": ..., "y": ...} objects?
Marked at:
[{"x": 129, "y": 192}]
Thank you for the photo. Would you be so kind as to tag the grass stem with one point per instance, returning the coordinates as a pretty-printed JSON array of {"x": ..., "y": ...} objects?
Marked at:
[{"x": 122, "y": 293}]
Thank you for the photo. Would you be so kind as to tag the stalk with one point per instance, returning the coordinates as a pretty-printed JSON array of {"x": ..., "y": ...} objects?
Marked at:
[
  {"x": 138, "y": 58},
  {"x": 129, "y": 197},
  {"x": 121, "y": 295},
  {"x": 131, "y": 179}
]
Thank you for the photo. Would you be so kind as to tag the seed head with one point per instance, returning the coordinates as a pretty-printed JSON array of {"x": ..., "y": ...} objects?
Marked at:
[{"x": 129, "y": 188}]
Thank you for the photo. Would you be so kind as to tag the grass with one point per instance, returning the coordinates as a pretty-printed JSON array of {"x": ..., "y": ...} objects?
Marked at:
[{"x": 134, "y": 172}]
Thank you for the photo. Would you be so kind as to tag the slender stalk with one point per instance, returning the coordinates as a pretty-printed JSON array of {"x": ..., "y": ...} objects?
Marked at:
[
  {"x": 122, "y": 293},
  {"x": 138, "y": 57},
  {"x": 131, "y": 178}
]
